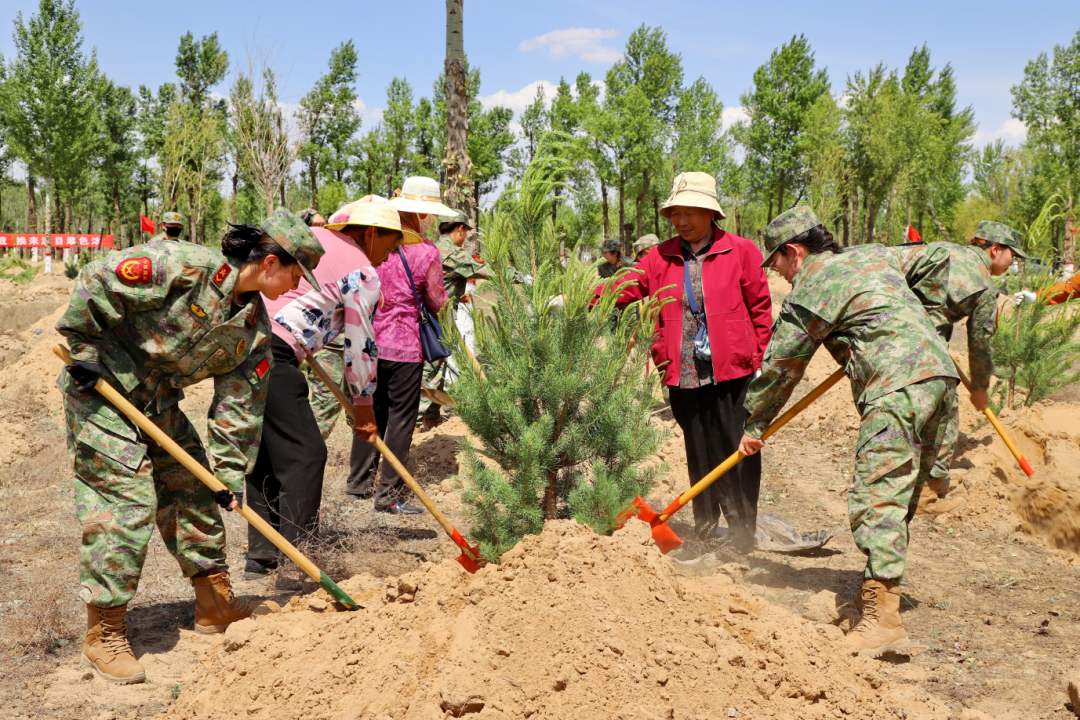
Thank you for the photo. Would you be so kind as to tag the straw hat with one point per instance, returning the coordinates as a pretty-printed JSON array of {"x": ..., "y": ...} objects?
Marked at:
[
  {"x": 370, "y": 210},
  {"x": 419, "y": 194},
  {"x": 692, "y": 189}
]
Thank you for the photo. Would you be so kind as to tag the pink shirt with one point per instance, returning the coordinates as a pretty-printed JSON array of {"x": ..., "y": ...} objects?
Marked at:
[
  {"x": 309, "y": 319},
  {"x": 397, "y": 321}
]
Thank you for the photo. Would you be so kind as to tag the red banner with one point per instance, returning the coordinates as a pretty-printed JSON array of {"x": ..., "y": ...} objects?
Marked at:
[{"x": 31, "y": 240}]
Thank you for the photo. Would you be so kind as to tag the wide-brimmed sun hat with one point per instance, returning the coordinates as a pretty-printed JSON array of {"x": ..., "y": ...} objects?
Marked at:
[
  {"x": 692, "y": 189},
  {"x": 419, "y": 194},
  {"x": 370, "y": 210}
]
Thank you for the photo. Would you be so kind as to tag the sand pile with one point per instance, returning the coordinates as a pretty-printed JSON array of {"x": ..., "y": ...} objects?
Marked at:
[
  {"x": 572, "y": 625},
  {"x": 1048, "y": 504}
]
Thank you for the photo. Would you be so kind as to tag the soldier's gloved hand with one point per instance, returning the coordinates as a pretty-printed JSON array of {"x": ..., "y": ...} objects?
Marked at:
[
  {"x": 226, "y": 499},
  {"x": 1024, "y": 296},
  {"x": 364, "y": 426},
  {"x": 85, "y": 374}
]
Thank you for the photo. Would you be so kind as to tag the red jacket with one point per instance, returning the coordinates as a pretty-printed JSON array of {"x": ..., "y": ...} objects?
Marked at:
[{"x": 738, "y": 309}]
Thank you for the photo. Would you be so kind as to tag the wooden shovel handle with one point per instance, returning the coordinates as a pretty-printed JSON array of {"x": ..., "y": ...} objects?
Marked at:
[
  {"x": 386, "y": 453},
  {"x": 157, "y": 435},
  {"x": 735, "y": 457},
  {"x": 997, "y": 425}
]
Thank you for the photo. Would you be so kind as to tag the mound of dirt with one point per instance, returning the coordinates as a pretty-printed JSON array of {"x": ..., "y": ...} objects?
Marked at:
[{"x": 571, "y": 625}]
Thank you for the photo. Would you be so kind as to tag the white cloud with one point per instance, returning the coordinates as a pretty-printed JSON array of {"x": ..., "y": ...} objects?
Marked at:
[
  {"x": 733, "y": 115},
  {"x": 585, "y": 42},
  {"x": 1013, "y": 132},
  {"x": 518, "y": 101}
]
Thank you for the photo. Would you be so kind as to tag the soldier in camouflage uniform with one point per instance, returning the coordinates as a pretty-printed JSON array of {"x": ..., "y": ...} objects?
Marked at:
[
  {"x": 953, "y": 282},
  {"x": 150, "y": 321},
  {"x": 858, "y": 305},
  {"x": 613, "y": 260},
  {"x": 171, "y": 227},
  {"x": 459, "y": 267}
]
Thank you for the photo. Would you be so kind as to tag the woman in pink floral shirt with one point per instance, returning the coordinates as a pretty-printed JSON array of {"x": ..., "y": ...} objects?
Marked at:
[{"x": 397, "y": 333}]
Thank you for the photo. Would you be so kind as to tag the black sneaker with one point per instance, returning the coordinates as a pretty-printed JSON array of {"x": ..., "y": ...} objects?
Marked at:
[
  {"x": 259, "y": 569},
  {"x": 401, "y": 508}
]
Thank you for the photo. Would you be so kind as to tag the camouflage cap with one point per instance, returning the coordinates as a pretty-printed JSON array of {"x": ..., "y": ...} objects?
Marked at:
[
  {"x": 611, "y": 245},
  {"x": 646, "y": 241},
  {"x": 171, "y": 218},
  {"x": 457, "y": 217},
  {"x": 1001, "y": 234},
  {"x": 787, "y": 225},
  {"x": 296, "y": 238}
]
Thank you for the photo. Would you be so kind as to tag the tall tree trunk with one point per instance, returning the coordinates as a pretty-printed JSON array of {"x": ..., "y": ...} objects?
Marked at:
[
  {"x": 114, "y": 225},
  {"x": 780, "y": 199},
  {"x": 656, "y": 216},
  {"x": 235, "y": 182},
  {"x": 622, "y": 209},
  {"x": 313, "y": 167},
  {"x": 871, "y": 218},
  {"x": 604, "y": 208},
  {"x": 940, "y": 227},
  {"x": 1068, "y": 257},
  {"x": 67, "y": 218},
  {"x": 459, "y": 166},
  {"x": 769, "y": 217},
  {"x": 31, "y": 205},
  {"x": 845, "y": 238},
  {"x": 920, "y": 221},
  {"x": 640, "y": 205},
  {"x": 281, "y": 187}
]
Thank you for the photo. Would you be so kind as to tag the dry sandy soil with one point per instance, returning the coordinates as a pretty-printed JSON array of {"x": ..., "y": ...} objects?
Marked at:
[{"x": 570, "y": 625}]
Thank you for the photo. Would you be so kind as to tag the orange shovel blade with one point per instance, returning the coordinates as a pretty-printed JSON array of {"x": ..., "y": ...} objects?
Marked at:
[
  {"x": 468, "y": 563},
  {"x": 664, "y": 537}
]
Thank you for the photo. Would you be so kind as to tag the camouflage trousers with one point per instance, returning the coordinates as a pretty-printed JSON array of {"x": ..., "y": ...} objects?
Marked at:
[
  {"x": 435, "y": 376},
  {"x": 904, "y": 434},
  {"x": 323, "y": 403},
  {"x": 125, "y": 483}
]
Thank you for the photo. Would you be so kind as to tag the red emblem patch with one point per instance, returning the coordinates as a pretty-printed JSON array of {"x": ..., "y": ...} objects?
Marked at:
[
  {"x": 262, "y": 367},
  {"x": 222, "y": 273},
  {"x": 478, "y": 259},
  {"x": 135, "y": 270}
]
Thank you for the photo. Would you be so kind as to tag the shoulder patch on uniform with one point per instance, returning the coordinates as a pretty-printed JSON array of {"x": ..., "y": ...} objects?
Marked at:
[
  {"x": 262, "y": 368},
  {"x": 222, "y": 273},
  {"x": 478, "y": 259},
  {"x": 241, "y": 347},
  {"x": 197, "y": 309},
  {"x": 135, "y": 270}
]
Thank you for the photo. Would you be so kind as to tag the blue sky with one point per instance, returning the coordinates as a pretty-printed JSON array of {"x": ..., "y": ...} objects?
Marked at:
[{"x": 518, "y": 44}]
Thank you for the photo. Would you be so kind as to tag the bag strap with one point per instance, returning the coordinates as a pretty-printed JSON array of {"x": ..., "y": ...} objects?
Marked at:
[
  {"x": 688, "y": 285},
  {"x": 412, "y": 284}
]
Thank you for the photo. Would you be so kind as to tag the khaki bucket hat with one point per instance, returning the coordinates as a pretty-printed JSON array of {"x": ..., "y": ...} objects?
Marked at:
[
  {"x": 692, "y": 189},
  {"x": 370, "y": 210},
  {"x": 419, "y": 194}
]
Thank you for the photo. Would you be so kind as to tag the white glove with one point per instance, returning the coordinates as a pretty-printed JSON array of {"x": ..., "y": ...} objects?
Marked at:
[
  {"x": 757, "y": 374},
  {"x": 1024, "y": 296},
  {"x": 528, "y": 279},
  {"x": 557, "y": 302}
]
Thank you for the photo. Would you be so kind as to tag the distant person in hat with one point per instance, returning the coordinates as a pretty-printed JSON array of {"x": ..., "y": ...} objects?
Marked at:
[
  {"x": 613, "y": 260},
  {"x": 397, "y": 331},
  {"x": 460, "y": 268},
  {"x": 312, "y": 217},
  {"x": 171, "y": 227},
  {"x": 285, "y": 485},
  {"x": 708, "y": 344},
  {"x": 644, "y": 244}
]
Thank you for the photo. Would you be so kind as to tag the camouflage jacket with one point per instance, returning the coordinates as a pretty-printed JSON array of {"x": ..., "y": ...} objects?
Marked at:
[
  {"x": 156, "y": 318},
  {"x": 953, "y": 282},
  {"x": 605, "y": 270},
  {"x": 458, "y": 267},
  {"x": 858, "y": 305}
]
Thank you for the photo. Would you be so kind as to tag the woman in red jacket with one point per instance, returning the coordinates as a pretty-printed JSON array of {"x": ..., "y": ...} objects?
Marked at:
[{"x": 729, "y": 301}]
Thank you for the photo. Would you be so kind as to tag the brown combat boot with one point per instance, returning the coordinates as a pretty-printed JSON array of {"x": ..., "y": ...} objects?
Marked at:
[
  {"x": 106, "y": 649},
  {"x": 216, "y": 607},
  {"x": 931, "y": 503},
  {"x": 880, "y": 630}
]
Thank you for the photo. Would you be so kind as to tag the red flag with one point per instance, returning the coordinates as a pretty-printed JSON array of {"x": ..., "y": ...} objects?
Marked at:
[
  {"x": 146, "y": 224},
  {"x": 913, "y": 235}
]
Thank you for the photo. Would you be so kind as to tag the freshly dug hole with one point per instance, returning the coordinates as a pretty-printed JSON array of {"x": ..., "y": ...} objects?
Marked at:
[{"x": 571, "y": 625}]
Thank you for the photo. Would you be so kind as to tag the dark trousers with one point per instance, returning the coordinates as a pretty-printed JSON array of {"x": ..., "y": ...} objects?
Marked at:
[
  {"x": 712, "y": 419},
  {"x": 285, "y": 488},
  {"x": 397, "y": 399}
]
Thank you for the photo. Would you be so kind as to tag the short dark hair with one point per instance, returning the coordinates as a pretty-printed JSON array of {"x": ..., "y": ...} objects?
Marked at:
[
  {"x": 448, "y": 227},
  {"x": 816, "y": 240}
]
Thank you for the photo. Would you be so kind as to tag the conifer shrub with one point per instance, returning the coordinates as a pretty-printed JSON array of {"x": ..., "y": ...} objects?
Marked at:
[
  {"x": 563, "y": 401},
  {"x": 1035, "y": 353}
]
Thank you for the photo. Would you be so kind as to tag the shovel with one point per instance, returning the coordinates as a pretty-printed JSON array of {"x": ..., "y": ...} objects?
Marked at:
[
  {"x": 470, "y": 558},
  {"x": 997, "y": 426},
  {"x": 155, "y": 433},
  {"x": 662, "y": 534}
]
